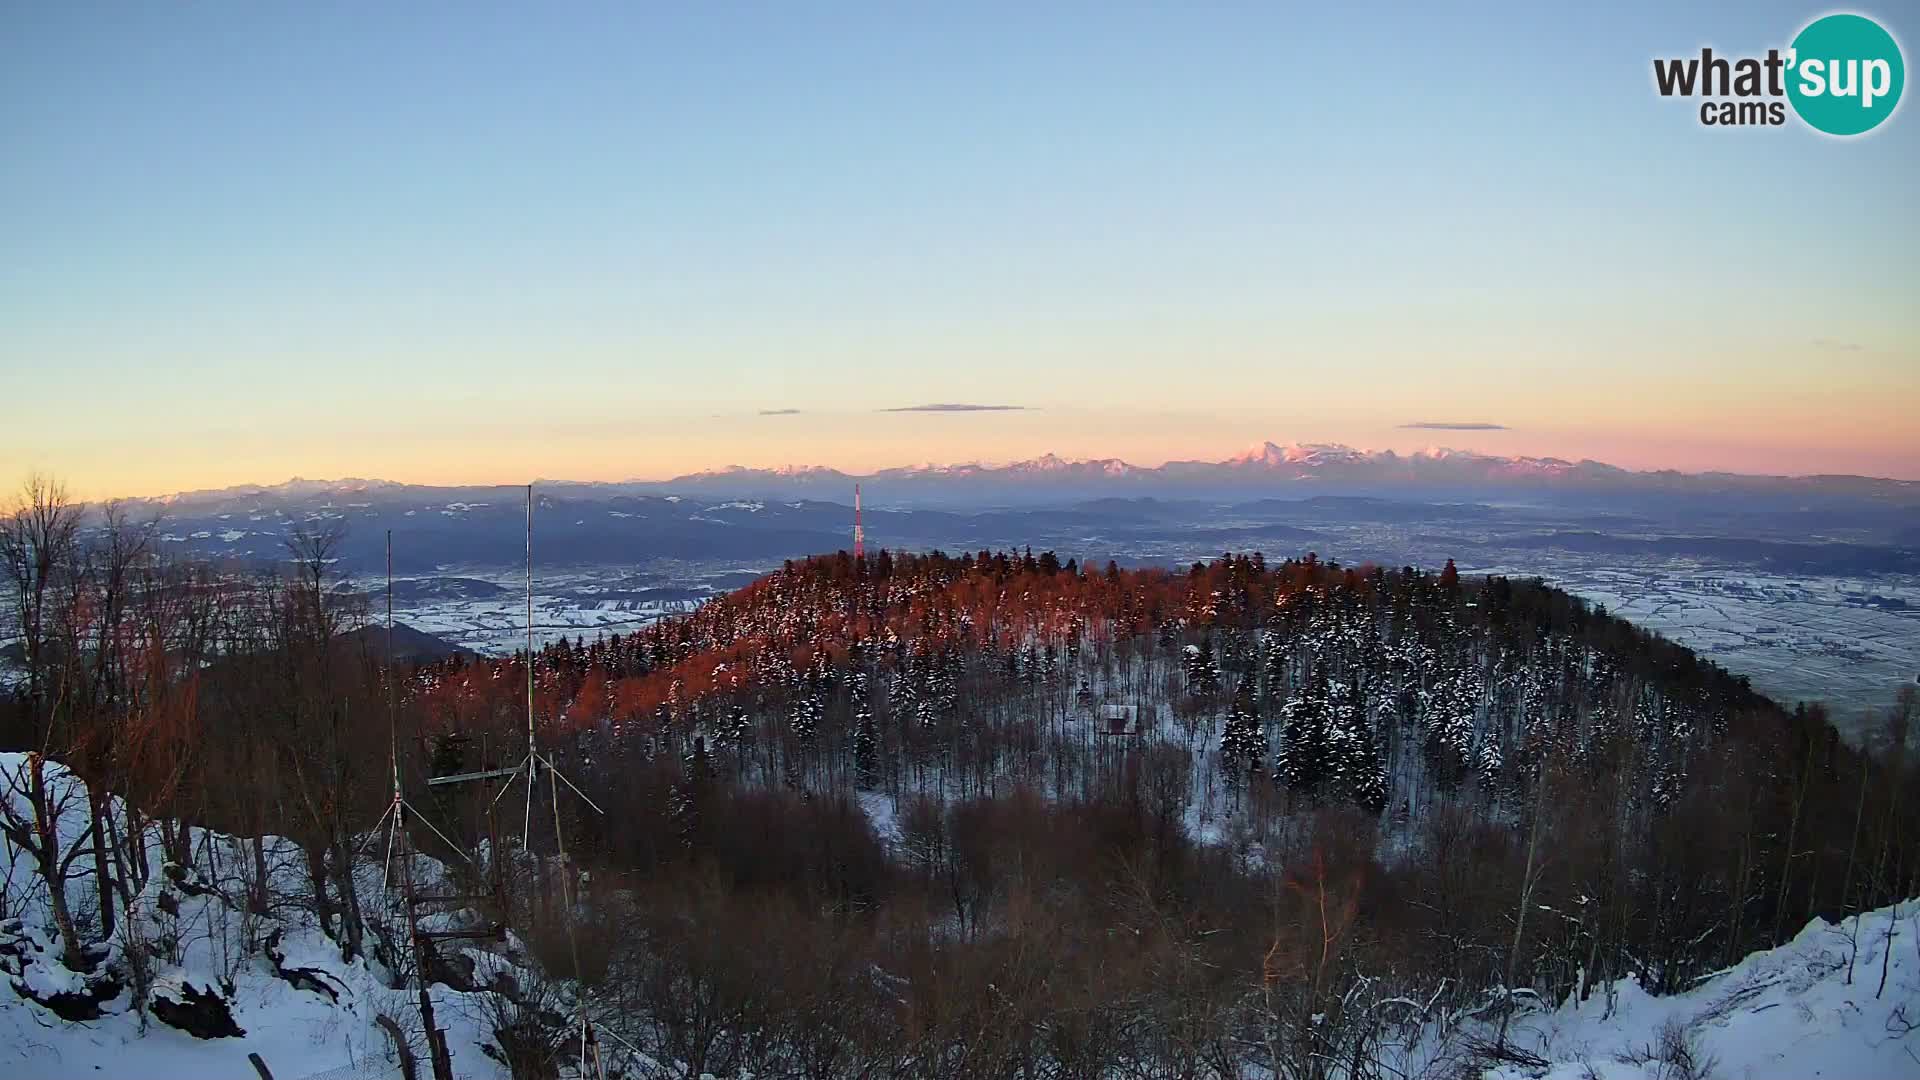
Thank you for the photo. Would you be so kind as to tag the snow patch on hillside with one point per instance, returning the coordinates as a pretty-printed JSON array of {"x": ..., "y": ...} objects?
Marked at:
[
  {"x": 1784, "y": 1012},
  {"x": 202, "y": 945}
]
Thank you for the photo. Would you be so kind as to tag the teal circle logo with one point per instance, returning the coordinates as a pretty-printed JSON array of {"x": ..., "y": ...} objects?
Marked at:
[{"x": 1845, "y": 74}]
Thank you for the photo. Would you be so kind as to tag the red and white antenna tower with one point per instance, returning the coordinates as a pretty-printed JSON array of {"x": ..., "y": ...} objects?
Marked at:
[{"x": 859, "y": 535}]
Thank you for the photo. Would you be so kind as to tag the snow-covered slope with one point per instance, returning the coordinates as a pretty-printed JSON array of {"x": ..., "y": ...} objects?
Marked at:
[
  {"x": 276, "y": 978},
  {"x": 273, "y": 985},
  {"x": 1789, "y": 1012}
]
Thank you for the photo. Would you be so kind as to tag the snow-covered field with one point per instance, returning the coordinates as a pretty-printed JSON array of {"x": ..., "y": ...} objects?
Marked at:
[
  {"x": 486, "y": 609},
  {"x": 1848, "y": 642}
]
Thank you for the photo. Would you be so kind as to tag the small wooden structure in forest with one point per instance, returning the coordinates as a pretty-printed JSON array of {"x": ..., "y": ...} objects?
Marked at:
[{"x": 1112, "y": 718}]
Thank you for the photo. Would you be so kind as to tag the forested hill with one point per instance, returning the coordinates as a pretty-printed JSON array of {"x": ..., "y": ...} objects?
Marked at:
[
  {"x": 1317, "y": 684},
  {"x": 1515, "y": 788}
]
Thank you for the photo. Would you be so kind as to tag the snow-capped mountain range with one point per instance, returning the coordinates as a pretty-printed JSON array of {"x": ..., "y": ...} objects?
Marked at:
[
  {"x": 1268, "y": 470},
  {"x": 1273, "y": 469},
  {"x": 1294, "y": 460}
]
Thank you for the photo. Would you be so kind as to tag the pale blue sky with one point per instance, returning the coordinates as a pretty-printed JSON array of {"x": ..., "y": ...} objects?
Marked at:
[{"x": 465, "y": 242}]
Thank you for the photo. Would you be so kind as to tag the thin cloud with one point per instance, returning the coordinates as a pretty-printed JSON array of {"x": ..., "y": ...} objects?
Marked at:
[
  {"x": 1837, "y": 346},
  {"x": 955, "y": 406},
  {"x": 779, "y": 412},
  {"x": 1455, "y": 425}
]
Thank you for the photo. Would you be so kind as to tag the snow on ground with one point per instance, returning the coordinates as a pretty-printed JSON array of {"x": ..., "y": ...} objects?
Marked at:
[
  {"x": 1846, "y": 641},
  {"x": 1788, "y": 1012},
  {"x": 199, "y": 940},
  {"x": 298, "y": 1033},
  {"x": 1791, "y": 1012},
  {"x": 882, "y": 811}
]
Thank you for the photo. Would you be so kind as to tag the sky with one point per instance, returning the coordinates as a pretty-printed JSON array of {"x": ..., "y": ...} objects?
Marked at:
[{"x": 458, "y": 243}]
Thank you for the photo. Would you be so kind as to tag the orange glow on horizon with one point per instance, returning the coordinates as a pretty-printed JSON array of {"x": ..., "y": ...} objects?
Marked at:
[{"x": 866, "y": 445}]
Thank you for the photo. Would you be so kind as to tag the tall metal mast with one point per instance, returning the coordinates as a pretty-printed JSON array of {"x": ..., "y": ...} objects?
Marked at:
[
  {"x": 395, "y": 819},
  {"x": 859, "y": 534},
  {"x": 529, "y": 622},
  {"x": 531, "y": 765},
  {"x": 535, "y": 760}
]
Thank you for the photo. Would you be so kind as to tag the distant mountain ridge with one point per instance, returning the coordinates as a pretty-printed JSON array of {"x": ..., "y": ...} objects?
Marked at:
[
  {"x": 1566, "y": 521},
  {"x": 1265, "y": 470},
  {"x": 1275, "y": 469}
]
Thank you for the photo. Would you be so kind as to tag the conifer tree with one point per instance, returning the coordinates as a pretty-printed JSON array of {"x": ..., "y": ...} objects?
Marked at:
[
  {"x": 1203, "y": 671},
  {"x": 866, "y": 738},
  {"x": 1301, "y": 763},
  {"x": 1488, "y": 762},
  {"x": 1243, "y": 743},
  {"x": 1356, "y": 769},
  {"x": 804, "y": 716},
  {"x": 689, "y": 795},
  {"x": 739, "y": 731},
  {"x": 1449, "y": 714},
  {"x": 1277, "y": 648}
]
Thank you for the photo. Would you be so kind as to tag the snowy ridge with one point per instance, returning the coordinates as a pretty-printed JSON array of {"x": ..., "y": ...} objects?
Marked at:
[{"x": 1788, "y": 1012}]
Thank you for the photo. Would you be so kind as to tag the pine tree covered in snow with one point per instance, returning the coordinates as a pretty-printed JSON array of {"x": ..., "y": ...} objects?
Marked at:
[
  {"x": 1357, "y": 772},
  {"x": 739, "y": 731},
  {"x": 1603, "y": 709},
  {"x": 1450, "y": 714},
  {"x": 1243, "y": 741},
  {"x": 689, "y": 794},
  {"x": 804, "y": 715},
  {"x": 1203, "y": 669},
  {"x": 866, "y": 736},
  {"x": 1538, "y": 738},
  {"x": 1277, "y": 663},
  {"x": 1302, "y": 762}
]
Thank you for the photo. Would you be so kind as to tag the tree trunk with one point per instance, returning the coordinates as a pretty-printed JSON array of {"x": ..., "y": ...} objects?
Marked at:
[
  {"x": 1886, "y": 955},
  {"x": 353, "y": 926},
  {"x": 138, "y": 868},
  {"x": 317, "y": 875},
  {"x": 47, "y": 854},
  {"x": 1853, "y": 848},
  {"x": 1793, "y": 838},
  {"x": 103, "y": 879},
  {"x": 257, "y": 895},
  {"x": 1527, "y": 880}
]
